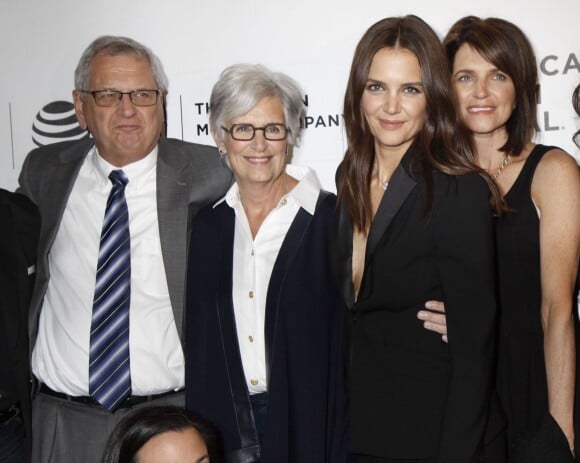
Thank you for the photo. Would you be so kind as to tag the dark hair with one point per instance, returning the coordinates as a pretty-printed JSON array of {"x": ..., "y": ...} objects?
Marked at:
[
  {"x": 504, "y": 45},
  {"x": 135, "y": 430},
  {"x": 444, "y": 141},
  {"x": 576, "y": 105}
]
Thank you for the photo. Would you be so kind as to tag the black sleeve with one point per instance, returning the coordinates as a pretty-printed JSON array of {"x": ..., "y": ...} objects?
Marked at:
[{"x": 465, "y": 256}]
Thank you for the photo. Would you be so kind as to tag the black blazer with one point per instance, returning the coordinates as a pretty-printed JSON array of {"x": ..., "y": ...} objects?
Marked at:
[
  {"x": 304, "y": 336},
  {"x": 413, "y": 396},
  {"x": 18, "y": 242}
]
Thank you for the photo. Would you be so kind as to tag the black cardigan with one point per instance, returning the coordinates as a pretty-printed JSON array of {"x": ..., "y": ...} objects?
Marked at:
[{"x": 304, "y": 338}]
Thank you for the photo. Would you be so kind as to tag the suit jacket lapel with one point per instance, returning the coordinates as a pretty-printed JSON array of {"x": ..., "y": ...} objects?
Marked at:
[
  {"x": 52, "y": 202},
  {"x": 399, "y": 188},
  {"x": 62, "y": 180},
  {"x": 173, "y": 188},
  {"x": 343, "y": 255}
]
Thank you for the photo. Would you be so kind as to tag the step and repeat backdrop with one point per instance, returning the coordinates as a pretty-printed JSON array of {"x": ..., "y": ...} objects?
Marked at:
[{"x": 313, "y": 41}]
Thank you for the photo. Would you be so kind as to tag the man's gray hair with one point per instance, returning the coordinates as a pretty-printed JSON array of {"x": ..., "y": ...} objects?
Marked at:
[{"x": 114, "y": 46}]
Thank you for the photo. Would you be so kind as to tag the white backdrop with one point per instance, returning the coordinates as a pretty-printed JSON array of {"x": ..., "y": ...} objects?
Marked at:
[{"x": 312, "y": 41}]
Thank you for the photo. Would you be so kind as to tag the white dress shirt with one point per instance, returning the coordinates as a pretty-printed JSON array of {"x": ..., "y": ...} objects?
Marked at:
[
  {"x": 60, "y": 356},
  {"x": 253, "y": 262}
]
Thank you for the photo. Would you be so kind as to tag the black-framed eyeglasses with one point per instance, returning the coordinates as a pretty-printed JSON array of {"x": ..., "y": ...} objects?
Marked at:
[
  {"x": 108, "y": 98},
  {"x": 246, "y": 132}
]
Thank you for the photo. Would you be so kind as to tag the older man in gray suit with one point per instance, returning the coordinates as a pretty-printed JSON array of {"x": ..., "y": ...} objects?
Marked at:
[{"x": 107, "y": 308}]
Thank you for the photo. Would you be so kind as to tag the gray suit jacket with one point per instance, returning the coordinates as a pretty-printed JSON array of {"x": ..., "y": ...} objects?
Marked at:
[{"x": 189, "y": 176}]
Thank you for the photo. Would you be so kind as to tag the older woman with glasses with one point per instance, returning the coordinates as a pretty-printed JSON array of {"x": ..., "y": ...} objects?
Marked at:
[{"x": 263, "y": 321}]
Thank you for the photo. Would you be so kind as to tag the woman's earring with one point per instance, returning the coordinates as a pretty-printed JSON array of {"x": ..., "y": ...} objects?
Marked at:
[{"x": 222, "y": 153}]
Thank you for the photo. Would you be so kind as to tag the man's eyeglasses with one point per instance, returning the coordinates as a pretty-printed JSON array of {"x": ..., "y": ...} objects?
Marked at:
[
  {"x": 109, "y": 98},
  {"x": 246, "y": 132}
]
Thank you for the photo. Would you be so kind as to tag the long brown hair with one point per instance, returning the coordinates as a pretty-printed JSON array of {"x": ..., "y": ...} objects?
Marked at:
[
  {"x": 444, "y": 141},
  {"x": 504, "y": 45}
]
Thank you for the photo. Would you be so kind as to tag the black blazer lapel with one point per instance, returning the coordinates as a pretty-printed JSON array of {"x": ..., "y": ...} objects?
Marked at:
[
  {"x": 342, "y": 254},
  {"x": 399, "y": 188},
  {"x": 250, "y": 449},
  {"x": 288, "y": 250}
]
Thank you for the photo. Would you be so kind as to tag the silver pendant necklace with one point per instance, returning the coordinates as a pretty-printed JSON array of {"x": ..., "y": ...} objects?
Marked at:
[{"x": 382, "y": 184}]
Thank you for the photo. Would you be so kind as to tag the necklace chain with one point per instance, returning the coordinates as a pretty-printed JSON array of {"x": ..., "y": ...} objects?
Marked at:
[
  {"x": 506, "y": 160},
  {"x": 382, "y": 184}
]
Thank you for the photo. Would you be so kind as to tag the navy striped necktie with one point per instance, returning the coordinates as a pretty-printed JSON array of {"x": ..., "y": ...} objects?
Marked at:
[{"x": 109, "y": 368}]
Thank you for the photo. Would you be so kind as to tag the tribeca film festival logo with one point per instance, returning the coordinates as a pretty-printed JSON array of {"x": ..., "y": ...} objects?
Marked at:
[
  {"x": 554, "y": 66},
  {"x": 56, "y": 122},
  {"x": 316, "y": 121}
]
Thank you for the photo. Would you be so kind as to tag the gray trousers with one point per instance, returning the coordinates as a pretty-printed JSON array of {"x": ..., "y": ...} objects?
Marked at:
[{"x": 69, "y": 432}]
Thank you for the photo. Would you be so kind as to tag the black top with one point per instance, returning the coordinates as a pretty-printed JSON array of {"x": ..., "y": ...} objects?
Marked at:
[{"x": 522, "y": 381}]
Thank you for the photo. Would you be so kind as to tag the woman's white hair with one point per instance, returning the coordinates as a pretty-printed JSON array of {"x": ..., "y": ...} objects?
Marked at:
[{"x": 241, "y": 87}]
